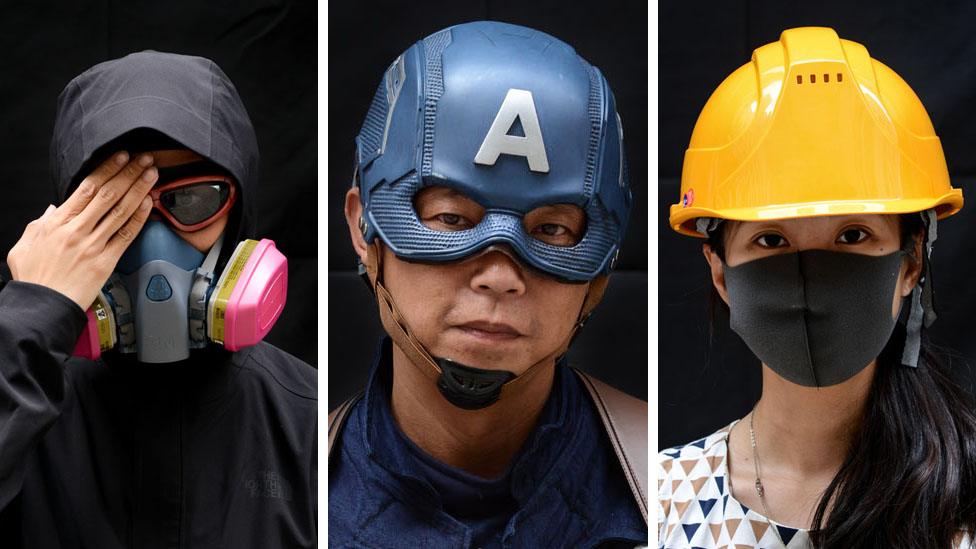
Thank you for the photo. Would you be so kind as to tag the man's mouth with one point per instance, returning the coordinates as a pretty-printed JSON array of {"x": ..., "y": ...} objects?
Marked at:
[{"x": 491, "y": 331}]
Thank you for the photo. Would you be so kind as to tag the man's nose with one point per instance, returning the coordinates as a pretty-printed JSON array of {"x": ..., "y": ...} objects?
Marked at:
[{"x": 498, "y": 271}]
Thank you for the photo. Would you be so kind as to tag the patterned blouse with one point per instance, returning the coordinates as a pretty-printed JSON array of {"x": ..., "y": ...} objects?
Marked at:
[{"x": 696, "y": 508}]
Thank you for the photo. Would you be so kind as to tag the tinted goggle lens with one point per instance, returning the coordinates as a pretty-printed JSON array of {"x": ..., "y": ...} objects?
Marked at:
[{"x": 195, "y": 203}]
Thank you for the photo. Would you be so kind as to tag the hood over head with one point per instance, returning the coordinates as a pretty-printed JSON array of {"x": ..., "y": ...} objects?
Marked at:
[{"x": 172, "y": 100}]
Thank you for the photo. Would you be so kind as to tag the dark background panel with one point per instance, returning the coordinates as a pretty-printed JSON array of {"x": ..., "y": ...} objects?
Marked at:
[
  {"x": 707, "y": 376},
  {"x": 267, "y": 48},
  {"x": 364, "y": 38},
  {"x": 699, "y": 44}
]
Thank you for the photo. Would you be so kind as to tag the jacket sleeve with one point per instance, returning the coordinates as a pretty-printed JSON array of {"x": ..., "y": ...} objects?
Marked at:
[{"x": 39, "y": 328}]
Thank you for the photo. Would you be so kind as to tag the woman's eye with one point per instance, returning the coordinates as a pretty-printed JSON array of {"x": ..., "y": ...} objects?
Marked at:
[
  {"x": 852, "y": 236},
  {"x": 772, "y": 240}
]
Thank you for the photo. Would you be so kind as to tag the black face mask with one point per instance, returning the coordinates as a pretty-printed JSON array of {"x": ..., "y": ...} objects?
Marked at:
[{"x": 816, "y": 317}]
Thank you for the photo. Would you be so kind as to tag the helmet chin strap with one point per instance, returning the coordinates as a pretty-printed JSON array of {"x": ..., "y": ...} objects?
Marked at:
[{"x": 464, "y": 386}]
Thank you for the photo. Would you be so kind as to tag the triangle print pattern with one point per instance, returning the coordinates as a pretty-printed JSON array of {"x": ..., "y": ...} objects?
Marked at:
[{"x": 695, "y": 509}]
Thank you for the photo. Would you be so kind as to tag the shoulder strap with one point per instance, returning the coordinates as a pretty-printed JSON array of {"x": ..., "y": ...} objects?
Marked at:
[
  {"x": 337, "y": 419},
  {"x": 625, "y": 420}
]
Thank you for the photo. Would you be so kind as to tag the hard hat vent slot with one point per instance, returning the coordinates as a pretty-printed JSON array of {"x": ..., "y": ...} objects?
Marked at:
[{"x": 826, "y": 78}]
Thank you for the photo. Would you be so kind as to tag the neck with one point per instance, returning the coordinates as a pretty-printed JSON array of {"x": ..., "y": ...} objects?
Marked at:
[
  {"x": 808, "y": 430},
  {"x": 481, "y": 442}
]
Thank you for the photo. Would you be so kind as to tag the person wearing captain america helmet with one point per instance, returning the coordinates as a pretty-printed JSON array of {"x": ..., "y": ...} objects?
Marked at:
[
  {"x": 146, "y": 402},
  {"x": 489, "y": 201}
]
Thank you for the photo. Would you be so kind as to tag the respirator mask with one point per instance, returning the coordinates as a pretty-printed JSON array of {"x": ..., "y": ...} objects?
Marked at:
[{"x": 166, "y": 297}]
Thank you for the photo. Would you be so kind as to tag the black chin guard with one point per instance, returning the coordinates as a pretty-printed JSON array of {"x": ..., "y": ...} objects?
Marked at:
[{"x": 470, "y": 388}]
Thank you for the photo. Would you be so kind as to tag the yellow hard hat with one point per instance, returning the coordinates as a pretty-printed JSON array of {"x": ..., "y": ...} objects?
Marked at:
[{"x": 812, "y": 126}]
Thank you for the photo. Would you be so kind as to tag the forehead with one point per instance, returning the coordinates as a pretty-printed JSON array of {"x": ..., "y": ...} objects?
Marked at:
[{"x": 174, "y": 157}]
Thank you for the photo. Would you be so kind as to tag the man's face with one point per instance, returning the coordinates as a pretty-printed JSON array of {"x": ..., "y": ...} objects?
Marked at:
[
  {"x": 201, "y": 239},
  {"x": 488, "y": 311}
]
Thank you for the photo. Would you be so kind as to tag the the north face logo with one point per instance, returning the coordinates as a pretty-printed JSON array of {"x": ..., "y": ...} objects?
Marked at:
[{"x": 268, "y": 484}]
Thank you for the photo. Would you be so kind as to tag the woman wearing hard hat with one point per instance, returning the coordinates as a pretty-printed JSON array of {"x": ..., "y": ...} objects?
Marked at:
[{"x": 817, "y": 180}]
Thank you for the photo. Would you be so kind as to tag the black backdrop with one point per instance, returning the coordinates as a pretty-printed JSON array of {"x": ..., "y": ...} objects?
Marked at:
[
  {"x": 930, "y": 44},
  {"x": 268, "y": 48},
  {"x": 364, "y": 37}
]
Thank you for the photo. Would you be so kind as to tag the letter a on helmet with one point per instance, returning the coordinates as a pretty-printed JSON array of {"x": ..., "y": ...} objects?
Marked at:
[{"x": 518, "y": 105}]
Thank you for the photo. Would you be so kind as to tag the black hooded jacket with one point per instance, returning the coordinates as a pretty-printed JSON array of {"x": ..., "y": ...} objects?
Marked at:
[{"x": 215, "y": 451}]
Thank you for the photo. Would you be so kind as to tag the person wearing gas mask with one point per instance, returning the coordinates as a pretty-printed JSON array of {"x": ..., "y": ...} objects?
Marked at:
[
  {"x": 140, "y": 407},
  {"x": 817, "y": 180},
  {"x": 488, "y": 206}
]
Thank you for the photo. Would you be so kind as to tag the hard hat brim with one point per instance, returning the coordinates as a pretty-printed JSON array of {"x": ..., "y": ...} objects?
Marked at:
[{"x": 683, "y": 219}]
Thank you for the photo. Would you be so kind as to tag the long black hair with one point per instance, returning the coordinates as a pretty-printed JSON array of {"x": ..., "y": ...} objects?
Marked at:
[{"x": 909, "y": 478}]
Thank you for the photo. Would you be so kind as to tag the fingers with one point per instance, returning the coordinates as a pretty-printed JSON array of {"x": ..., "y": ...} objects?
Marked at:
[
  {"x": 128, "y": 232},
  {"x": 120, "y": 213},
  {"x": 89, "y": 186},
  {"x": 136, "y": 174}
]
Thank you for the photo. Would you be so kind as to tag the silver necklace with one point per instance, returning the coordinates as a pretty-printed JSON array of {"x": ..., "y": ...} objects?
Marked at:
[{"x": 760, "y": 490}]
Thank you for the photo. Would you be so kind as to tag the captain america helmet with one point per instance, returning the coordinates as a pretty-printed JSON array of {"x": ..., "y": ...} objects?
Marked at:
[{"x": 509, "y": 117}]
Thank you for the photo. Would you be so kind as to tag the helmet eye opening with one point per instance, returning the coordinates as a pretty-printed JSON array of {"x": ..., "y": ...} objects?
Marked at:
[{"x": 445, "y": 209}]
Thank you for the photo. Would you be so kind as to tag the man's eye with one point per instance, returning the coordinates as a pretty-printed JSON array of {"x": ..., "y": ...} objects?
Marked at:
[
  {"x": 556, "y": 224},
  {"x": 443, "y": 209},
  {"x": 772, "y": 240},
  {"x": 555, "y": 234},
  {"x": 552, "y": 229},
  {"x": 449, "y": 222},
  {"x": 852, "y": 236},
  {"x": 449, "y": 219}
]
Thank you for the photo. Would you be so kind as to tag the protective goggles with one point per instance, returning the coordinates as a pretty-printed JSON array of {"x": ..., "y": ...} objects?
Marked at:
[{"x": 192, "y": 203}]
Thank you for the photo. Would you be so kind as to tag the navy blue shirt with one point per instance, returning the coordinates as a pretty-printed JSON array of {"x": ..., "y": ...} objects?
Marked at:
[{"x": 564, "y": 488}]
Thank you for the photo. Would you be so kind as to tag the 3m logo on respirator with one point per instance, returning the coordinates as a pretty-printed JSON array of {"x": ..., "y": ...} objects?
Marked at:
[{"x": 518, "y": 105}]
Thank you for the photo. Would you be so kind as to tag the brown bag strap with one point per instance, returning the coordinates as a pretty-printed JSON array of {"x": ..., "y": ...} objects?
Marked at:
[
  {"x": 337, "y": 419},
  {"x": 625, "y": 420}
]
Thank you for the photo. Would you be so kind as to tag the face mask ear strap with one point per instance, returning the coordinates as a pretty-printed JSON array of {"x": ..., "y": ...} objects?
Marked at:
[
  {"x": 705, "y": 225},
  {"x": 922, "y": 313}
]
